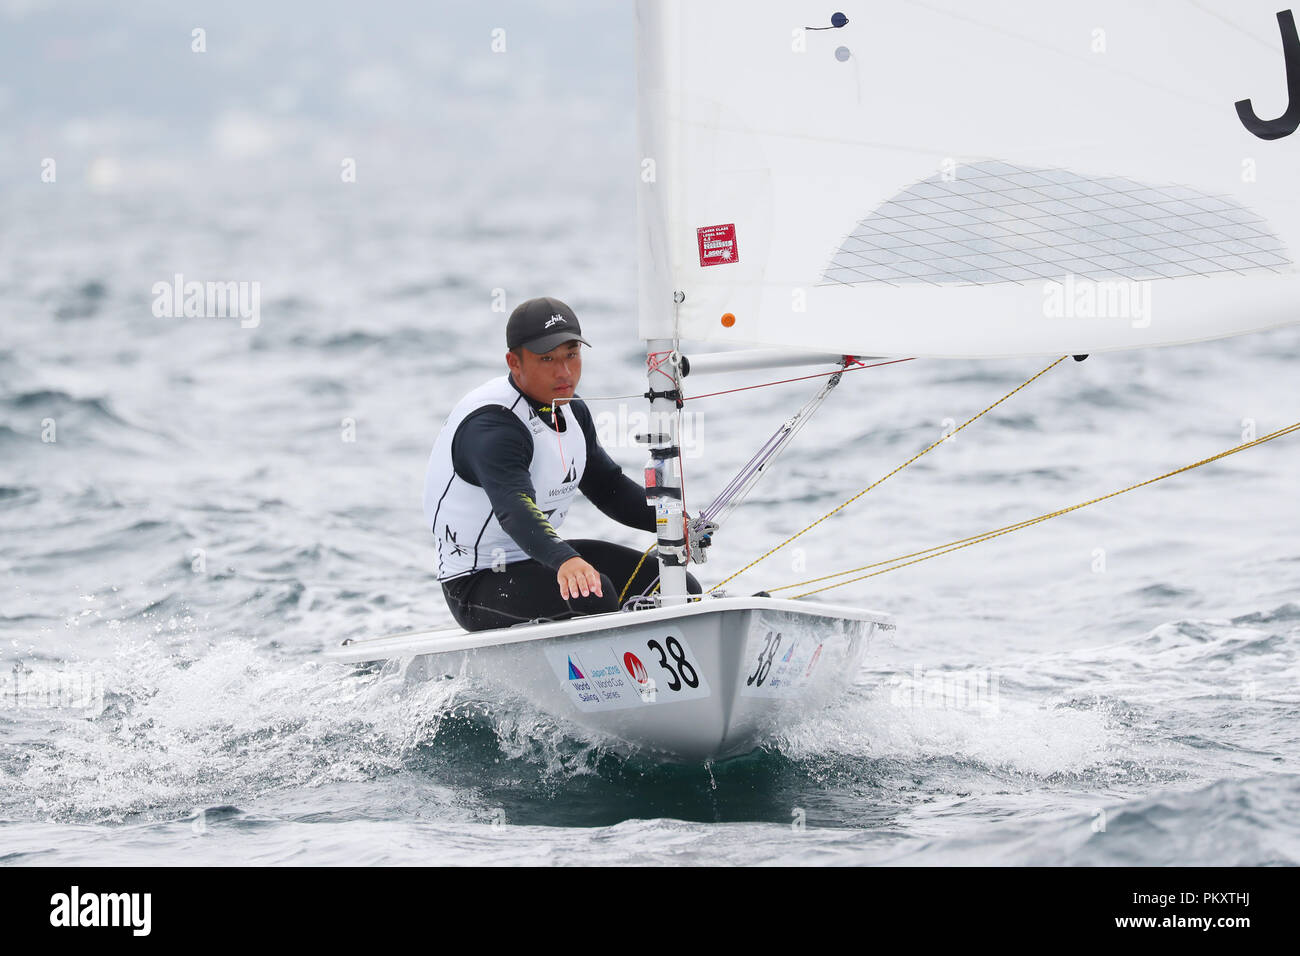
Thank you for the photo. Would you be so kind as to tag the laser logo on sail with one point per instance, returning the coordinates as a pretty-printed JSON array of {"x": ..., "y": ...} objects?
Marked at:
[{"x": 717, "y": 244}]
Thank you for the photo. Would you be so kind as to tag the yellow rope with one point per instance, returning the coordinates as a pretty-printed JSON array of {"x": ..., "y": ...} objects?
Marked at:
[
  {"x": 644, "y": 555},
  {"x": 888, "y": 476},
  {"x": 957, "y": 545}
]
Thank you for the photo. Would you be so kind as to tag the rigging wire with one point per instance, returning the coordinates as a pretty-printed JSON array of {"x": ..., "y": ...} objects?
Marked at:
[
  {"x": 745, "y": 388},
  {"x": 918, "y": 556},
  {"x": 880, "y": 481}
]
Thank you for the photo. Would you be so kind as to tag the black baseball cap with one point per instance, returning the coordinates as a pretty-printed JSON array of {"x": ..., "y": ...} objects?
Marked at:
[{"x": 540, "y": 325}]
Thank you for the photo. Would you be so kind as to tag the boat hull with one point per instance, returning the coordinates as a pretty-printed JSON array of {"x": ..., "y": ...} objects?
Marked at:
[{"x": 703, "y": 681}]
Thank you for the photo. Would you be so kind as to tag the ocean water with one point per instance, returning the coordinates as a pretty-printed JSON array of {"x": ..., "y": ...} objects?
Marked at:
[
  {"x": 191, "y": 511},
  {"x": 1117, "y": 686}
]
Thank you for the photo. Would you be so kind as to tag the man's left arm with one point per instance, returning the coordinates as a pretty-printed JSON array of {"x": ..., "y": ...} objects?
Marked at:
[{"x": 604, "y": 483}]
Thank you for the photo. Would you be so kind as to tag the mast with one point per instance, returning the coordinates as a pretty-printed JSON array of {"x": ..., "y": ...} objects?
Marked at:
[{"x": 663, "y": 472}]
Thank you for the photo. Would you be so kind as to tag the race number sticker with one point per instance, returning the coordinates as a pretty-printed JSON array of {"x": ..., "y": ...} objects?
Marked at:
[
  {"x": 778, "y": 664},
  {"x": 629, "y": 670}
]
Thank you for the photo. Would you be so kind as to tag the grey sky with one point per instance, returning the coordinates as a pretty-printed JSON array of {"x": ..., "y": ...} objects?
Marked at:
[{"x": 306, "y": 82}]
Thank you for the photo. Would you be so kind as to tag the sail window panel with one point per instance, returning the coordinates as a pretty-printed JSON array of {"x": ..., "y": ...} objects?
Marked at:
[
  {"x": 1202, "y": 266},
  {"x": 1018, "y": 257},
  {"x": 1018, "y": 194},
  {"x": 1129, "y": 200},
  {"x": 1086, "y": 219},
  {"x": 881, "y": 226},
  {"x": 891, "y": 209},
  {"x": 1118, "y": 184},
  {"x": 1074, "y": 250},
  {"x": 1245, "y": 231},
  {"x": 1059, "y": 176},
  {"x": 986, "y": 245},
  {"x": 922, "y": 207},
  {"x": 1112, "y": 230},
  {"x": 1235, "y": 263},
  {"x": 865, "y": 273},
  {"x": 1029, "y": 180},
  {"x": 912, "y": 237},
  {"x": 1169, "y": 204},
  {"x": 982, "y": 262},
  {"x": 996, "y": 222},
  {"x": 1113, "y": 247},
  {"x": 1145, "y": 227},
  {"x": 984, "y": 183},
  {"x": 1120, "y": 217},
  {"x": 859, "y": 245},
  {"x": 916, "y": 269},
  {"x": 1207, "y": 220},
  {"x": 879, "y": 257},
  {"x": 1267, "y": 259},
  {"x": 1090, "y": 204},
  {"x": 1120, "y": 265},
  {"x": 1017, "y": 274},
  {"x": 957, "y": 277},
  {"x": 939, "y": 250},
  {"x": 1173, "y": 236},
  {"x": 953, "y": 233},
  {"x": 995, "y": 167},
  {"x": 961, "y": 219},
  {"x": 1089, "y": 187},
  {"x": 1235, "y": 247},
  {"x": 1213, "y": 204},
  {"x": 1205, "y": 235},
  {"x": 999, "y": 231},
  {"x": 1151, "y": 244},
  {"x": 1027, "y": 227},
  {"x": 1268, "y": 244},
  {"x": 966, "y": 187},
  {"x": 1242, "y": 217},
  {"x": 1055, "y": 207},
  {"x": 928, "y": 190},
  {"x": 1082, "y": 234},
  {"x": 1011, "y": 212},
  {"x": 1144, "y": 259},
  {"x": 1180, "y": 256},
  {"x": 1180, "y": 192},
  {"x": 957, "y": 203}
]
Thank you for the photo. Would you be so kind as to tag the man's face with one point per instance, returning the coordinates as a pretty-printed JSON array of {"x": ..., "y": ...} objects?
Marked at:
[{"x": 552, "y": 377}]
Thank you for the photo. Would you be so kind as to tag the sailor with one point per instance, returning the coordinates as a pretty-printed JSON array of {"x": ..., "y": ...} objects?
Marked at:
[{"x": 504, "y": 471}]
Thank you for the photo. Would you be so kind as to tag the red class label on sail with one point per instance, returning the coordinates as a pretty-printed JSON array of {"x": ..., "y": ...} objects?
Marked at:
[{"x": 718, "y": 244}]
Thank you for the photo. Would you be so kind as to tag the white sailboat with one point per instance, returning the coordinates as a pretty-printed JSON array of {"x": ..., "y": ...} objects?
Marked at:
[{"x": 826, "y": 182}]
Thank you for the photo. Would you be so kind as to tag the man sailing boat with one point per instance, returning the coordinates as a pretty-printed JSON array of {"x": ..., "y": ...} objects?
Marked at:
[{"x": 504, "y": 471}]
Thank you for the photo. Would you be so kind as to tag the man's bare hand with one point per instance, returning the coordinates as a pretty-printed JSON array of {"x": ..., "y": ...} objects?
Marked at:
[{"x": 576, "y": 575}]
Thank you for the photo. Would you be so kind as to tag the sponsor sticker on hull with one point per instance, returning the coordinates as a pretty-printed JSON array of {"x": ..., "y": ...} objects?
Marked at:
[
  {"x": 780, "y": 664},
  {"x": 619, "y": 671}
]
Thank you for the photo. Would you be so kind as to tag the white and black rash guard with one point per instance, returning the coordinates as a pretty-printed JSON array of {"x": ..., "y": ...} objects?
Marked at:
[{"x": 492, "y": 449}]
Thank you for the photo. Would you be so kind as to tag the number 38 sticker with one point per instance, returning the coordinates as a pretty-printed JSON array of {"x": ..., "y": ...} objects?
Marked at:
[{"x": 673, "y": 660}]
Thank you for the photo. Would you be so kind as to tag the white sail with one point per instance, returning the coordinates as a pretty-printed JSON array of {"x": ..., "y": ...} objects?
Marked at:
[{"x": 957, "y": 179}]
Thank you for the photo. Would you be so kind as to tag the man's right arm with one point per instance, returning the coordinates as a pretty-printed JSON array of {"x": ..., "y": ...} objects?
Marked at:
[{"x": 492, "y": 449}]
